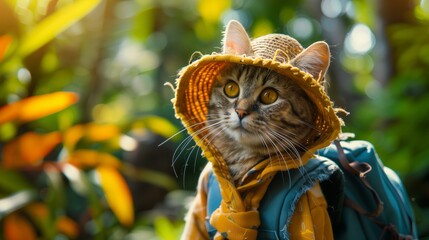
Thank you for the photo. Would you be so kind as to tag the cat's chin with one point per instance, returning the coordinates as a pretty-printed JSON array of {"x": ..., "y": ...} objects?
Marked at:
[{"x": 245, "y": 137}]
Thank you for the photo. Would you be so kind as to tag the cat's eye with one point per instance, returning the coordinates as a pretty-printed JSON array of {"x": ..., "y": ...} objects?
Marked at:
[
  {"x": 268, "y": 96},
  {"x": 231, "y": 89}
]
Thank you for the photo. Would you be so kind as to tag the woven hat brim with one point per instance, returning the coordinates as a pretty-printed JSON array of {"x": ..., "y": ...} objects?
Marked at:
[{"x": 195, "y": 81}]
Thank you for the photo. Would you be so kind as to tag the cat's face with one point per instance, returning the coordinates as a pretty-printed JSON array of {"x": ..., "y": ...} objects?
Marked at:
[{"x": 259, "y": 110}]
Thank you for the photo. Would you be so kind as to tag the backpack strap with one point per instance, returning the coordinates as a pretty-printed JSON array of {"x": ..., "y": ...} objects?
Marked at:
[
  {"x": 278, "y": 204},
  {"x": 361, "y": 169}
]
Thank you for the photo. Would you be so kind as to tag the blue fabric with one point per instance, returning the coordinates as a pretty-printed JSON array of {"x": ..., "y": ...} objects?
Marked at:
[
  {"x": 397, "y": 208},
  {"x": 278, "y": 204},
  {"x": 286, "y": 188}
]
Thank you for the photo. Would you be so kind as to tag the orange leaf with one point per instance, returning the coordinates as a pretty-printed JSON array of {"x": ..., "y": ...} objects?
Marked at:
[
  {"x": 40, "y": 106},
  {"x": 92, "y": 158},
  {"x": 101, "y": 132},
  {"x": 9, "y": 112},
  {"x": 36, "y": 107},
  {"x": 38, "y": 210},
  {"x": 92, "y": 131},
  {"x": 67, "y": 226},
  {"x": 17, "y": 228},
  {"x": 117, "y": 194},
  {"x": 29, "y": 149},
  {"x": 5, "y": 41},
  {"x": 72, "y": 136}
]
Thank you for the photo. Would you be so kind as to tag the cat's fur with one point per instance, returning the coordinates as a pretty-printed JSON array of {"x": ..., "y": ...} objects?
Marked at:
[
  {"x": 266, "y": 130},
  {"x": 245, "y": 129}
]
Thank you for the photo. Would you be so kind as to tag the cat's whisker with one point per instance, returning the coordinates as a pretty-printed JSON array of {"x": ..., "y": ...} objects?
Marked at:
[
  {"x": 261, "y": 138},
  {"x": 211, "y": 137},
  {"x": 279, "y": 153},
  {"x": 172, "y": 136},
  {"x": 181, "y": 131},
  {"x": 290, "y": 142},
  {"x": 312, "y": 126},
  {"x": 286, "y": 137},
  {"x": 285, "y": 148},
  {"x": 288, "y": 148},
  {"x": 281, "y": 129},
  {"x": 176, "y": 155},
  {"x": 208, "y": 136},
  {"x": 182, "y": 146}
]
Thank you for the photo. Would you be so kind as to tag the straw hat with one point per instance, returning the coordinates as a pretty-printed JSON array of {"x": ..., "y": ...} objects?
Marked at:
[{"x": 277, "y": 52}]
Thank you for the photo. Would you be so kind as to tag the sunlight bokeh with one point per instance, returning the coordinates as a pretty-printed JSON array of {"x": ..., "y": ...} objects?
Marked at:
[{"x": 86, "y": 120}]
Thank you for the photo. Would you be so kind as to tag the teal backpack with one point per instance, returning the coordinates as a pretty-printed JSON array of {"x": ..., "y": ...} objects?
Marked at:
[
  {"x": 376, "y": 205},
  {"x": 366, "y": 200}
]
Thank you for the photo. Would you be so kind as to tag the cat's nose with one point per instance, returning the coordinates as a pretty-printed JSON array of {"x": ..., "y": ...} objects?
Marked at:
[{"x": 241, "y": 113}]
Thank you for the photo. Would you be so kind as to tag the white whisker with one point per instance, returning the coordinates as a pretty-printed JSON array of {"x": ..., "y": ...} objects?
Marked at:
[
  {"x": 289, "y": 148},
  {"x": 208, "y": 136},
  {"x": 286, "y": 137},
  {"x": 182, "y": 130},
  {"x": 183, "y": 145},
  {"x": 279, "y": 153}
]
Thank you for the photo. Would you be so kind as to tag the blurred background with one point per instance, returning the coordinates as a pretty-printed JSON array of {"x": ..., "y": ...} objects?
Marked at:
[{"x": 90, "y": 147}]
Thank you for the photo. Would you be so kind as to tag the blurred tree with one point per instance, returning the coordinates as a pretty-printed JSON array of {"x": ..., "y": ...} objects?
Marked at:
[
  {"x": 388, "y": 14},
  {"x": 116, "y": 56}
]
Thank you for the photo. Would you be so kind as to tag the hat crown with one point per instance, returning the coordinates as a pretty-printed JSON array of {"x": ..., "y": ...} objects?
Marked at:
[{"x": 279, "y": 47}]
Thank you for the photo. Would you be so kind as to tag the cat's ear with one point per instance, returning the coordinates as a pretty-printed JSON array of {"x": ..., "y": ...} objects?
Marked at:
[
  {"x": 235, "y": 40},
  {"x": 314, "y": 60}
]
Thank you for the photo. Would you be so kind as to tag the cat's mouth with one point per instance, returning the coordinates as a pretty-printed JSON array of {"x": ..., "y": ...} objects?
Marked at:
[
  {"x": 241, "y": 129},
  {"x": 245, "y": 136},
  {"x": 243, "y": 132}
]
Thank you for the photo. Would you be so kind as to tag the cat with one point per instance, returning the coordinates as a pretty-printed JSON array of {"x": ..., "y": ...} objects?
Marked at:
[
  {"x": 247, "y": 108},
  {"x": 255, "y": 113}
]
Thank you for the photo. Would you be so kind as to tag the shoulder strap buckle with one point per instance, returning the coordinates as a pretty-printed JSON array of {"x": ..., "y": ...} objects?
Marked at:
[{"x": 360, "y": 169}]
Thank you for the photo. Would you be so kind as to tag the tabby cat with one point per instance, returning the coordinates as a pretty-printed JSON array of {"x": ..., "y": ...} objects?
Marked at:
[
  {"x": 255, "y": 113},
  {"x": 254, "y": 108}
]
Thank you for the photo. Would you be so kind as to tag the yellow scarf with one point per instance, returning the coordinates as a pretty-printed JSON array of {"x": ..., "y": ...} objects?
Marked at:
[{"x": 238, "y": 216}]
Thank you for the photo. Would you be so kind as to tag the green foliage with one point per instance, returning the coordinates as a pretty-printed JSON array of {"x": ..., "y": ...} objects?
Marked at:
[
  {"x": 51, "y": 26},
  {"x": 116, "y": 56},
  {"x": 11, "y": 181},
  {"x": 166, "y": 229},
  {"x": 394, "y": 118},
  {"x": 81, "y": 167},
  {"x": 395, "y": 115}
]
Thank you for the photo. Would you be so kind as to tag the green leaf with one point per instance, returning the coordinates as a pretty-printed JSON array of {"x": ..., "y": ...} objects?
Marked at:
[
  {"x": 143, "y": 23},
  {"x": 54, "y": 24},
  {"x": 157, "y": 178},
  {"x": 159, "y": 126},
  {"x": 11, "y": 181},
  {"x": 167, "y": 230}
]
